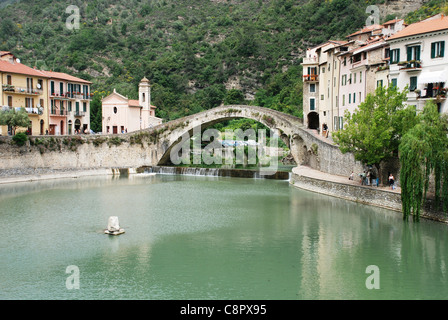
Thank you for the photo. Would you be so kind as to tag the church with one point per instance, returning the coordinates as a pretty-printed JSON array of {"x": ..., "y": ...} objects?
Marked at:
[{"x": 121, "y": 115}]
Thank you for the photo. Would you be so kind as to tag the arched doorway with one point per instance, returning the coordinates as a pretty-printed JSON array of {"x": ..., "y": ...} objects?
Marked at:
[
  {"x": 41, "y": 127},
  {"x": 313, "y": 120},
  {"x": 70, "y": 129},
  {"x": 77, "y": 125}
]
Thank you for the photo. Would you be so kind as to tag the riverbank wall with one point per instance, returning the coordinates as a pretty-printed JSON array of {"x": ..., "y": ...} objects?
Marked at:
[{"x": 338, "y": 186}]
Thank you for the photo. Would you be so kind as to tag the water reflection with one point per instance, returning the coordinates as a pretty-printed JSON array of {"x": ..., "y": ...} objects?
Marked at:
[{"x": 210, "y": 238}]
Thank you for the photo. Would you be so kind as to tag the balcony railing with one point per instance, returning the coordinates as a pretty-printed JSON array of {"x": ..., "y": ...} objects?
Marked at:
[
  {"x": 310, "y": 60},
  {"x": 21, "y": 90},
  {"x": 410, "y": 65},
  {"x": 311, "y": 77},
  {"x": 58, "y": 112},
  {"x": 71, "y": 95},
  {"x": 79, "y": 113}
]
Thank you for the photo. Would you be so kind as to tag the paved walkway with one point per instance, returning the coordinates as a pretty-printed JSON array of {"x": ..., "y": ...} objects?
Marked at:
[{"x": 316, "y": 174}]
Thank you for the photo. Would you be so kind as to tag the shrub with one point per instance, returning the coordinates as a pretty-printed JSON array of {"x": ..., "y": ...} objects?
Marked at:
[{"x": 20, "y": 138}]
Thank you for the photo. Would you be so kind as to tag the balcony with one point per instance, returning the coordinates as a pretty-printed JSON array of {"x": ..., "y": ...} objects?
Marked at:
[
  {"x": 77, "y": 113},
  {"x": 20, "y": 90},
  {"x": 412, "y": 65},
  {"x": 311, "y": 78},
  {"x": 58, "y": 112},
  {"x": 310, "y": 60},
  {"x": 71, "y": 95}
]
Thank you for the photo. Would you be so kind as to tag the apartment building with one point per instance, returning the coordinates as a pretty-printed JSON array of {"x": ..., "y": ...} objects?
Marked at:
[
  {"x": 346, "y": 72},
  {"x": 418, "y": 60},
  {"x": 69, "y": 104},
  {"x": 23, "y": 87},
  {"x": 57, "y": 103}
]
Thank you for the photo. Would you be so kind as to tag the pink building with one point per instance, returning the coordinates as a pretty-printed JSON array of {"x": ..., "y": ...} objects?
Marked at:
[
  {"x": 121, "y": 115},
  {"x": 69, "y": 104}
]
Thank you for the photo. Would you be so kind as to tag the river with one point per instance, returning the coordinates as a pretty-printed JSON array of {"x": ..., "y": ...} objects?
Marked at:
[{"x": 196, "y": 237}]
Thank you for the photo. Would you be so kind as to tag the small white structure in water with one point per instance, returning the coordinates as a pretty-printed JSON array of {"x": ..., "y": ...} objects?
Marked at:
[{"x": 113, "y": 227}]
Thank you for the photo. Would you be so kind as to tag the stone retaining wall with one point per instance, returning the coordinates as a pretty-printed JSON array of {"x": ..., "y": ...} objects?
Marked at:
[{"x": 362, "y": 194}]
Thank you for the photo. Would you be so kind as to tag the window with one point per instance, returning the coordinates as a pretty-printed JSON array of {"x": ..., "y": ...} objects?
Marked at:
[
  {"x": 9, "y": 101},
  {"x": 354, "y": 97},
  {"x": 413, "y": 84},
  {"x": 312, "y": 89},
  {"x": 312, "y": 104},
  {"x": 343, "y": 100},
  {"x": 84, "y": 106},
  {"x": 335, "y": 123},
  {"x": 344, "y": 80},
  {"x": 69, "y": 106},
  {"x": 323, "y": 69},
  {"x": 349, "y": 98},
  {"x": 341, "y": 123},
  {"x": 354, "y": 78},
  {"x": 360, "y": 97},
  {"x": 360, "y": 76},
  {"x": 394, "y": 56},
  {"x": 334, "y": 82},
  {"x": 437, "y": 49},
  {"x": 61, "y": 88},
  {"x": 394, "y": 82},
  {"x": 115, "y": 110},
  {"x": 387, "y": 53},
  {"x": 9, "y": 79},
  {"x": 52, "y": 88},
  {"x": 379, "y": 83},
  {"x": 413, "y": 53}
]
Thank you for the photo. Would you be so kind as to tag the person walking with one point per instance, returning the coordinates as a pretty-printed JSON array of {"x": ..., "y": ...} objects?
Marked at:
[{"x": 391, "y": 181}]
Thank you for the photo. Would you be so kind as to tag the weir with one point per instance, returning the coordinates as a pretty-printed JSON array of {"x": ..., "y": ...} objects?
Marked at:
[{"x": 215, "y": 172}]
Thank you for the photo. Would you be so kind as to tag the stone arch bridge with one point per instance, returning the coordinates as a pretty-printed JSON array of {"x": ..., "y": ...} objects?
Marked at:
[{"x": 152, "y": 146}]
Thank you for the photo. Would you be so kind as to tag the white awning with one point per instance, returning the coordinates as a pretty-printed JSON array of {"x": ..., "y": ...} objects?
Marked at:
[{"x": 431, "y": 77}]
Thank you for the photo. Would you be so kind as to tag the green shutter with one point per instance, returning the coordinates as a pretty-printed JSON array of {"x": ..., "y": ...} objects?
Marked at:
[
  {"x": 433, "y": 50},
  {"x": 409, "y": 52},
  {"x": 417, "y": 53},
  {"x": 413, "y": 84},
  {"x": 442, "y": 48}
]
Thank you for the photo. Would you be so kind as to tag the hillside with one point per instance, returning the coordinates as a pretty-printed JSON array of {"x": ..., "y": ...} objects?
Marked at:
[{"x": 196, "y": 53}]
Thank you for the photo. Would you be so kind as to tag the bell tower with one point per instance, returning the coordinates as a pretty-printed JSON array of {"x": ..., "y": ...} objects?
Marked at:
[{"x": 144, "y": 94}]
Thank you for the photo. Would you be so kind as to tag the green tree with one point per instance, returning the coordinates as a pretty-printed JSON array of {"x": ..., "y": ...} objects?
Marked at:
[
  {"x": 423, "y": 151},
  {"x": 234, "y": 96},
  {"x": 373, "y": 132},
  {"x": 15, "y": 119}
]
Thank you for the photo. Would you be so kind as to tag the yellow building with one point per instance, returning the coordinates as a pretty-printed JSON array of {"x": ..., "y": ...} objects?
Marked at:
[{"x": 24, "y": 87}]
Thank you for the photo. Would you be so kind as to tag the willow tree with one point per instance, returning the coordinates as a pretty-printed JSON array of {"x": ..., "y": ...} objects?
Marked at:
[
  {"x": 423, "y": 154},
  {"x": 373, "y": 132}
]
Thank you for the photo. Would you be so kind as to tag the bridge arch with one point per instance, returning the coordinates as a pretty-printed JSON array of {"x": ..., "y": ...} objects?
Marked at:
[{"x": 172, "y": 132}]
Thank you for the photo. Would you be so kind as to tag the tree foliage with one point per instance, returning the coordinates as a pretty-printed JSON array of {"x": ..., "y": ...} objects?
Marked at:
[
  {"x": 423, "y": 152},
  {"x": 15, "y": 119},
  {"x": 373, "y": 132}
]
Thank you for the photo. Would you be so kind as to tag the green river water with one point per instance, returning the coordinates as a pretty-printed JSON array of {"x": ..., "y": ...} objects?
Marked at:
[{"x": 196, "y": 237}]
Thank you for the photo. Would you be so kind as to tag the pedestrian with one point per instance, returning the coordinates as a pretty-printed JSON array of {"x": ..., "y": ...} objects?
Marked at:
[
  {"x": 351, "y": 177},
  {"x": 368, "y": 178},
  {"x": 391, "y": 181}
]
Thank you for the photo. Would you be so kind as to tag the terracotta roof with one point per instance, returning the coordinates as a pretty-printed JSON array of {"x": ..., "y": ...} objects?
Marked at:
[
  {"x": 421, "y": 27},
  {"x": 65, "y": 76},
  {"x": 392, "y": 22},
  {"x": 133, "y": 103},
  {"x": 366, "y": 30},
  {"x": 2, "y": 53},
  {"x": 15, "y": 67}
]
